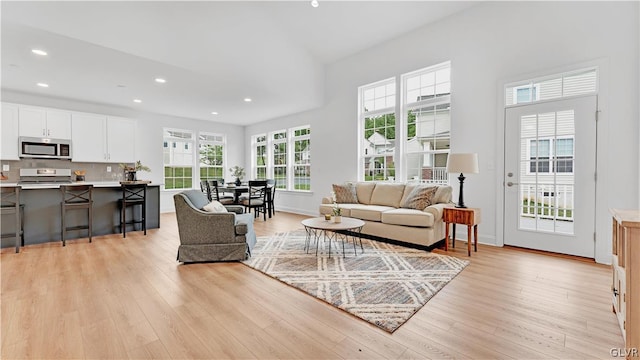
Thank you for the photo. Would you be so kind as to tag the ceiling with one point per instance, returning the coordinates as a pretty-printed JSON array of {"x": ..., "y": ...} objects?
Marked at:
[{"x": 212, "y": 54}]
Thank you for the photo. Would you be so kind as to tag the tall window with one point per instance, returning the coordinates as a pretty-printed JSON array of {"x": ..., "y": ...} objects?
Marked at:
[
  {"x": 260, "y": 157},
  {"x": 415, "y": 145},
  {"x": 427, "y": 110},
  {"x": 378, "y": 121},
  {"x": 284, "y": 155},
  {"x": 301, "y": 158},
  {"x": 279, "y": 145},
  {"x": 178, "y": 159},
  {"x": 211, "y": 151}
]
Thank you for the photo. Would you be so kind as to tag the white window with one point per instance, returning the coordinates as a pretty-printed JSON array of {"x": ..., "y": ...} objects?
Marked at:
[
  {"x": 178, "y": 158},
  {"x": 285, "y": 156},
  {"x": 579, "y": 82},
  {"x": 551, "y": 155},
  {"x": 259, "y": 164},
  {"x": 301, "y": 167},
  {"x": 377, "y": 113},
  {"x": 212, "y": 155},
  {"x": 415, "y": 145}
]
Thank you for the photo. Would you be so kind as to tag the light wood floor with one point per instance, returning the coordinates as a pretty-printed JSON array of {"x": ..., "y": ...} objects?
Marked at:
[{"x": 128, "y": 298}]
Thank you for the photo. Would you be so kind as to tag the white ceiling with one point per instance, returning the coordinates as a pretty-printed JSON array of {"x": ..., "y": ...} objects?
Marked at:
[{"x": 213, "y": 54}]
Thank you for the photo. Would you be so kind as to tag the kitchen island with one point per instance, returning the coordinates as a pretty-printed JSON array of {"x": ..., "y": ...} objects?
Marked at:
[{"x": 42, "y": 212}]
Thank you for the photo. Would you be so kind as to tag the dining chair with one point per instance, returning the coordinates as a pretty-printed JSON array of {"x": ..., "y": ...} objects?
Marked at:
[
  {"x": 259, "y": 202},
  {"x": 215, "y": 193},
  {"x": 272, "y": 186},
  {"x": 206, "y": 189}
]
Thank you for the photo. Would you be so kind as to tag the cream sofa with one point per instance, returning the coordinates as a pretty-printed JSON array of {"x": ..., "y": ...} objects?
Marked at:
[{"x": 379, "y": 206}]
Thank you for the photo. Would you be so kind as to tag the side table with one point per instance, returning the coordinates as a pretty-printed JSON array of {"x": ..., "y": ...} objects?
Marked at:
[{"x": 463, "y": 216}]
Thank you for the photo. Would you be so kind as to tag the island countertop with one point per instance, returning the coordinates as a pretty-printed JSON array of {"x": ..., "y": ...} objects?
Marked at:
[
  {"x": 97, "y": 184},
  {"x": 42, "y": 216}
]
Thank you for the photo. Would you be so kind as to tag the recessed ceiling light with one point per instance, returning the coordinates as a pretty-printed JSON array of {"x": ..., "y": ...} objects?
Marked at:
[
  {"x": 247, "y": 100},
  {"x": 39, "y": 52},
  {"x": 137, "y": 101},
  {"x": 214, "y": 113},
  {"x": 43, "y": 85},
  {"x": 314, "y": 3},
  {"x": 161, "y": 80}
]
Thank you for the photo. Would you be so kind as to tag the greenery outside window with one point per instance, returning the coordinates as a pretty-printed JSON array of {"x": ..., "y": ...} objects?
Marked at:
[
  {"x": 211, "y": 154},
  {"x": 301, "y": 158},
  {"x": 178, "y": 156}
]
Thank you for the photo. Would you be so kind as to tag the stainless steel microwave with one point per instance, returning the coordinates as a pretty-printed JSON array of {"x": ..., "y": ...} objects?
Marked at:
[{"x": 44, "y": 148}]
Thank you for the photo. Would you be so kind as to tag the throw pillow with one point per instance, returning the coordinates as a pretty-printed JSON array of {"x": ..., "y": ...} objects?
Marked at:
[
  {"x": 215, "y": 207},
  {"x": 345, "y": 193},
  {"x": 419, "y": 198}
]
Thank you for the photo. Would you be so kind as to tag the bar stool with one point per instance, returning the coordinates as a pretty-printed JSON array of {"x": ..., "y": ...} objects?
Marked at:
[
  {"x": 76, "y": 197},
  {"x": 132, "y": 195},
  {"x": 11, "y": 205}
]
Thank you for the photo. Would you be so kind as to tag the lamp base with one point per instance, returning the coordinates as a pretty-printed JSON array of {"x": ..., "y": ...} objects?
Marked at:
[
  {"x": 460, "y": 203},
  {"x": 463, "y": 206}
]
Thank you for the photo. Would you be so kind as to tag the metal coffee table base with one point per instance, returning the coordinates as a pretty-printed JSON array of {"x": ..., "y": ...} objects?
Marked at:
[{"x": 320, "y": 229}]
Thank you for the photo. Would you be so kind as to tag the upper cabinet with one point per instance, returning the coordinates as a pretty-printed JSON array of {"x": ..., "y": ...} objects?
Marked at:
[
  {"x": 9, "y": 129},
  {"x": 98, "y": 138},
  {"x": 42, "y": 122}
]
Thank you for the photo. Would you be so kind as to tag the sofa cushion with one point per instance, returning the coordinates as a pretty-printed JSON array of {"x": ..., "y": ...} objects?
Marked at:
[
  {"x": 364, "y": 190},
  {"x": 387, "y": 194},
  {"x": 419, "y": 198},
  {"x": 345, "y": 208},
  {"x": 345, "y": 193},
  {"x": 215, "y": 207},
  {"x": 369, "y": 212},
  {"x": 442, "y": 195},
  {"x": 408, "y": 217}
]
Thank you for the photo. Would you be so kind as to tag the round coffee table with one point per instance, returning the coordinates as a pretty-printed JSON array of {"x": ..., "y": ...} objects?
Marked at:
[{"x": 317, "y": 227}]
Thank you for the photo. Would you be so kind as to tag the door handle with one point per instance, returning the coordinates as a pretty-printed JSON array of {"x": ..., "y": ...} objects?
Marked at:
[{"x": 511, "y": 183}]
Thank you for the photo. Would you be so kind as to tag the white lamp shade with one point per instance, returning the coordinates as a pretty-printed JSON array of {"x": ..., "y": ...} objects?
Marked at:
[{"x": 463, "y": 163}]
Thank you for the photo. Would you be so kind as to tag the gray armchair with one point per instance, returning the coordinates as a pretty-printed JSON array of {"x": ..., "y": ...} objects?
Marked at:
[{"x": 206, "y": 236}]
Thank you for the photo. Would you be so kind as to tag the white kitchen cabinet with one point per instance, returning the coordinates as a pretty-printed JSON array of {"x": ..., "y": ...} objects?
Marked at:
[
  {"x": 87, "y": 140},
  {"x": 43, "y": 122},
  {"x": 98, "y": 138},
  {"x": 9, "y": 129},
  {"x": 121, "y": 137}
]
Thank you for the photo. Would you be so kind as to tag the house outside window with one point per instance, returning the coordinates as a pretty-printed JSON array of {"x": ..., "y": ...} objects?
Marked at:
[
  {"x": 178, "y": 158},
  {"x": 415, "y": 145},
  {"x": 551, "y": 156},
  {"x": 211, "y": 148},
  {"x": 378, "y": 130}
]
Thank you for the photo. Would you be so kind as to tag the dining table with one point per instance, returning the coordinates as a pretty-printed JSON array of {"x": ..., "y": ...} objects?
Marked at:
[{"x": 242, "y": 189}]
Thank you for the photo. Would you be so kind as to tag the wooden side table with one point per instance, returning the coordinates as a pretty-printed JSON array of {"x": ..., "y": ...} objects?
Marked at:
[{"x": 464, "y": 216}]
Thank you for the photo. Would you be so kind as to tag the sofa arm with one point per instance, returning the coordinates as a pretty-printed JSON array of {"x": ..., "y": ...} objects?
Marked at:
[
  {"x": 327, "y": 200},
  {"x": 241, "y": 228},
  {"x": 437, "y": 210}
]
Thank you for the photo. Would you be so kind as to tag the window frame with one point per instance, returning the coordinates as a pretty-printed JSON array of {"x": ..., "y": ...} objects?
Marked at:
[
  {"x": 553, "y": 158},
  {"x": 173, "y": 140}
]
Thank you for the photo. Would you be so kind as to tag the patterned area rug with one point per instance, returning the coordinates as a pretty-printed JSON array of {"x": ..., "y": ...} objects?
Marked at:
[{"x": 384, "y": 285}]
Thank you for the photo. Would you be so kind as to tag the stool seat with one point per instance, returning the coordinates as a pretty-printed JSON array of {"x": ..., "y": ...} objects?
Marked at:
[
  {"x": 133, "y": 195},
  {"x": 10, "y": 205},
  {"x": 76, "y": 197}
]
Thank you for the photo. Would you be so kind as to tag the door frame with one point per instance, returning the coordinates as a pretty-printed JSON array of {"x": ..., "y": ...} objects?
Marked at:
[{"x": 602, "y": 222}]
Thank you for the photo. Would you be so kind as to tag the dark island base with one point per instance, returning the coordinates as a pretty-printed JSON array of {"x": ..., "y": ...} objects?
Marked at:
[{"x": 42, "y": 215}]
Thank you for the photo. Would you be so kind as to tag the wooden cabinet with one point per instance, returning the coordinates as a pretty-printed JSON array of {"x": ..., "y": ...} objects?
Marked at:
[
  {"x": 98, "y": 138},
  {"x": 626, "y": 277},
  {"x": 9, "y": 129},
  {"x": 42, "y": 122},
  {"x": 464, "y": 216}
]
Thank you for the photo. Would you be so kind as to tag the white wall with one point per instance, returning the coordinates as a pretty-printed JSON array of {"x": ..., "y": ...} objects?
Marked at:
[
  {"x": 148, "y": 133},
  {"x": 488, "y": 44}
]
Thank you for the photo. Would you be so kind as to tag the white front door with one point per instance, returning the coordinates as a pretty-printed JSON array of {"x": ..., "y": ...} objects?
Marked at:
[{"x": 549, "y": 180}]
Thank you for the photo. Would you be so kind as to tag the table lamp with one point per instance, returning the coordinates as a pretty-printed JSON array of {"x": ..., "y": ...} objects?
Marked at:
[{"x": 462, "y": 163}]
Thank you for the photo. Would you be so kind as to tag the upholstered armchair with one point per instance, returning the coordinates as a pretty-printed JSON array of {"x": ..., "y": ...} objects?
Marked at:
[{"x": 207, "y": 236}]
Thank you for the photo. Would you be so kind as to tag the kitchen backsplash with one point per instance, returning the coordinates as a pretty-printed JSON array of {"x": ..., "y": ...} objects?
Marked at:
[{"x": 94, "y": 171}]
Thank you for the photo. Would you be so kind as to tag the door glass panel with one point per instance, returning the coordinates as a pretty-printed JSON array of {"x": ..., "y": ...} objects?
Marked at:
[{"x": 547, "y": 172}]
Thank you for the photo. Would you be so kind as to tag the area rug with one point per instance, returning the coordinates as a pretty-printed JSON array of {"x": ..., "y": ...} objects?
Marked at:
[{"x": 385, "y": 284}]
